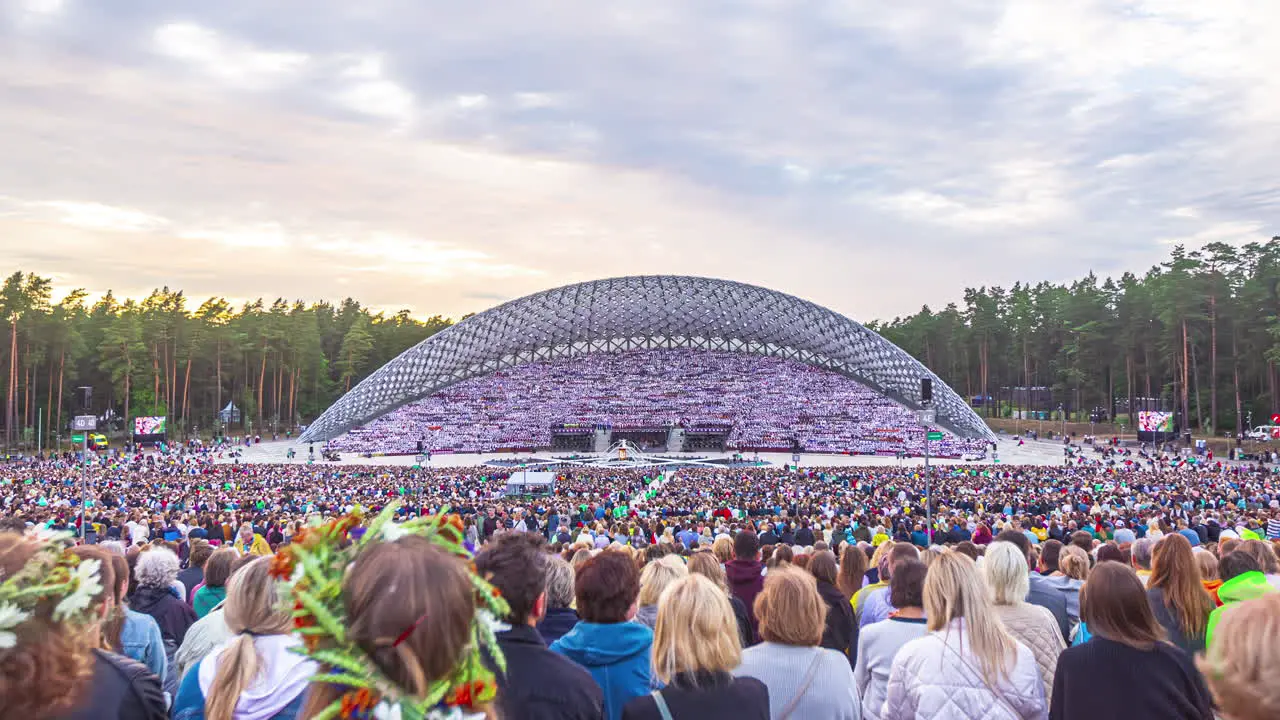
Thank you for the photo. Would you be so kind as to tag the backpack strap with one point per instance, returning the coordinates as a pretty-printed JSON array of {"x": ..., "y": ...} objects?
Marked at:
[{"x": 661, "y": 702}]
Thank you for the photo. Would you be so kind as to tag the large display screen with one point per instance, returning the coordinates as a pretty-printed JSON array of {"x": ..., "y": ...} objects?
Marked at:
[
  {"x": 1155, "y": 422},
  {"x": 148, "y": 426}
]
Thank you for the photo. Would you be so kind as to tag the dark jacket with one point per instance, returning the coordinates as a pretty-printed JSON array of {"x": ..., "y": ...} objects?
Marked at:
[
  {"x": 121, "y": 689},
  {"x": 804, "y": 536},
  {"x": 1106, "y": 679},
  {"x": 708, "y": 696},
  {"x": 1168, "y": 620},
  {"x": 171, "y": 614},
  {"x": 541, "y": 684},
  {"x": 557, "y": 622},
  {"x": 744, "y": 621},
  {"x": 1044, "y": 593},
  {"x": 745, "y": 582},
  {"x": 190, "y": 578},
  {"x": 841, "y": 633}
]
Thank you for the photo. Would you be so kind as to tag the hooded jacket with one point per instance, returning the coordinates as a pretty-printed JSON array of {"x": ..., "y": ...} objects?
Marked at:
[
  {"x": 171, "y": 614},
  {"x": 745, "y": 583},
  {"x": 277, "y": 692},
  {"x": 557, "y": 622},
  {"x": 616, "y": 655},
  {"x": 1245, "y": 586}
]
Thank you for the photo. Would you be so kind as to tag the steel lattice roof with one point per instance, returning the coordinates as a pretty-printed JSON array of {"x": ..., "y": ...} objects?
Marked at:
[{"x": 645, "y": 312}]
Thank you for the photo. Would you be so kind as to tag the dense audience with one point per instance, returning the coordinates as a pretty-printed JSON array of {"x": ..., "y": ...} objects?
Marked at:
[
  {"x": 768, "y": 402},
  {"x": 1081, "y": 591}
]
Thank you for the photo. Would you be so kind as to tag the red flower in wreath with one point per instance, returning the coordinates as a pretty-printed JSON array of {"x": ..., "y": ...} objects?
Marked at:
[
  {"x": 358, "y": 703},
  {"x": 282, "y": 565},
  {"x": 467, "y": 694}
]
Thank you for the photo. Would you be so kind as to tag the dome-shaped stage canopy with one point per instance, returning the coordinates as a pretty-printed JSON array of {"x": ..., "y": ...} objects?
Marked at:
[{"x": 645, "y": 312}]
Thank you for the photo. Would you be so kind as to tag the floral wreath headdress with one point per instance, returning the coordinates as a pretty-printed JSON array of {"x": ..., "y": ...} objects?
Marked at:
[
  {"x": 53, "y": 573},
  {"x": 313, "y": 567}
]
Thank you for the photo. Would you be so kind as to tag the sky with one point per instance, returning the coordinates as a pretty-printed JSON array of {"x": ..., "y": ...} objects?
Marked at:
[{"x": 446, "y": 156}]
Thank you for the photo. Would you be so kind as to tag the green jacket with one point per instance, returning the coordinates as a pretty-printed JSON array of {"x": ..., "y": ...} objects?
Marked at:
[{"x": 1246, "y": 586}]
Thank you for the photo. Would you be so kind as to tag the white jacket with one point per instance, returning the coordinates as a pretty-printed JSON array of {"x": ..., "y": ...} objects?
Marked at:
[{"x": 937, "y": 677}]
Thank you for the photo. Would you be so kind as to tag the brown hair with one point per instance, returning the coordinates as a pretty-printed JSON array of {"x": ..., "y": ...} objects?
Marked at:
[
  {"x": 789, "y": 609},
  {"x": 606, "y": 587},
  {"x": 1263, "y": 553},
  {"x": 201, "y": 551},
  {"x": 217, "y": 570},
  {"x": 723, "y": 548},
  {"x": 409, "y": 590},
  {"x": 823, "y": 567},
  {"x": 51, "y": 667},
  {"x": 1242, "y": 666},
  {"x": 853, "y": 570},
  {"x": 516, "y": 564},
  {"x": 1175, "y": 572},
  {"x": 114, "y": 625},
  {"x": 704, "y": 563},
  {"x": 1114, "y": 604},
  {"x": 906, "y": 589},
  {"x": 106, "y": 576},
  {"x": 1208, "y": 565}
]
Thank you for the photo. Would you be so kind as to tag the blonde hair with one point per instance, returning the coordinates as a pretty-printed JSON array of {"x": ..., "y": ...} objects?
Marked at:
[
  {"x": 253, "y": 608},
  {"x": 1074, "y": 562},
  {"x": 657, "y": 575},
  {"x": 1005, "y": 568},
  {"x": 704, "y": 563},
  {"x": 723, "y": 548},
  {"x": 696, "y": 630},
  {"x": 954, "y": 590},
  {"x": 1242, "y": 666},
  {"x": 789, "y": 609}
]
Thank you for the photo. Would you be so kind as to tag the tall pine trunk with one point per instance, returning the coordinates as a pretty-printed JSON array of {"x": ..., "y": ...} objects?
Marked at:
[
  {"x": 1213, "y": 362},
  {"x": 62, "y": 375}
]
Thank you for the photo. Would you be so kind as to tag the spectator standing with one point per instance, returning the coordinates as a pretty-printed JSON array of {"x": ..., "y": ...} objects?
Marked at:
[
  {"x": 745, "y": 573},
  {"x": 1040, "y": 591},
  {"x": 155, "y": 571},
  {"x": 695, "y": 647},
  {"x": 560, "y": 616},
  {"x": 654, "y": 578},
  {"x": 1242, "y": 580},
  {"x": 217, "y": 573},
  {"x": 1032, "y": 625},
  {"x": 1178, "y": 599},
  {"x": 968, "y": 663},
  {"x": 705, "y": 563},
  {"x": 537, "y": 683},
  {"x": 1242, "y": 667},
  {"x": 878, "y": 644},
  {"x": 193, "y": 574},
  {"x": 1127, "y": 665},
  {"x": 614, "y": 650},
  {"x": 130, "y": 633},
  {"x": 841, "y": 633},
  {"x": 804, "y": 679}
]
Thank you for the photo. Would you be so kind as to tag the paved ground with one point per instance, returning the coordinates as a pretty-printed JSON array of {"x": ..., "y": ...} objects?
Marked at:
[{"x": 1033, "y": 453}]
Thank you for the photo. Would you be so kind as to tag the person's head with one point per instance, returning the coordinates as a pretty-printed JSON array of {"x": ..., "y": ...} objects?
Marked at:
[
  {"x": 217, "y": 569},
  {"x": 1111, "y": 551},
  {"x": 515, "y": 563},
  {"x": 782, "y": 554},
  {"x": 789, "y": 609},
  {"x": 897, "y": 554},
  {"x": 410, "y": 607},
  {"x": 1242, "y": 666},
  {"x": 722, "y": 546},
  {"x": 49, "y": 667},
  {"x": 559, "y": 582},
  {"x": 657, "y": 575},
  {"x": 705, "y": 563},
  {"x": 822, "y": 565},
  {"x": 746, "y": 545},
  {"x": 1235, "y": 564},
  {"x": 156, "y": 568},
  {"x": 954, "y": 590},
  {"x": 696, "y": 630},
  {"x": 1175, "y": 572},
  {"x": 1005, "y": 568},
  {"x": 1050, "y": 552},
  {"x": 606, "y": 588},
  {"x": 246, "y": 533},
  {"x": 201, "y": 551},
  {"x": 906, "y": 590},
  {"x": 1082, "y": 539},
  {"x": 1208, "y": 565},
  {"x": 1113, "y": 602},
  {"x": 1262, "y": 552},
  {"x": 253, "y": 609},
  {"x": 1140, "y": 553},
  {"x": 853, "y": 569},
  {"x": 1074, "y": 562},
  {"x": 1019, "y": 539}
]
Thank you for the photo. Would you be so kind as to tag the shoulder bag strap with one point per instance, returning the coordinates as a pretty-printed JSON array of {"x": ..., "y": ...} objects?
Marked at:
[
  {"x": 804, "y": 687},
  {"x": 661, "y": 702}
]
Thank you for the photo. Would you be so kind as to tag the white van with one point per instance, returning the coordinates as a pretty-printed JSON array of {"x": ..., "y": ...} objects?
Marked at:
[{"x": 1263, "y": 432}]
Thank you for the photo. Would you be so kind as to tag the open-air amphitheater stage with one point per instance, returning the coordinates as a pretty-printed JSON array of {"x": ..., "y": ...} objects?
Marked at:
[{"x": 1008, "y": 452}]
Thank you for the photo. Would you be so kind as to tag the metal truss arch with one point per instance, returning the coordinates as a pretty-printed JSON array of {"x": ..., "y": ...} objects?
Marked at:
[{"x": 645, "y": 313}]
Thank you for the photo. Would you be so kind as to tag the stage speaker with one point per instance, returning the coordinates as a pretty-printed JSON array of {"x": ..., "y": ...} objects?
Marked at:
[
  {"x": 419, "y": 447},
  {"x": 86, "y": 398},
  {"x": 926, "y": 390}
]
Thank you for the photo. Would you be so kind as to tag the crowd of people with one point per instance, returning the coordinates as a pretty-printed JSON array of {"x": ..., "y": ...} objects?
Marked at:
[
  {"x": 191, "y": 589},
  {"x": 768, "y": 402}
]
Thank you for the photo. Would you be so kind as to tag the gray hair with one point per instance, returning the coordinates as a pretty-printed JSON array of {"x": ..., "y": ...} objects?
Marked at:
[
  {"x": 113, "y": 546},
  {"x": 1141, "y": 552},
  {"x": 559, "y": 583},
  {"x": 1006, "y": 570},
  {"x": 157, "y": 567}
]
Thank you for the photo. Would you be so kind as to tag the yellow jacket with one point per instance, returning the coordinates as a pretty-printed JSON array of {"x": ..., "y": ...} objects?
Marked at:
[{"x": 259, "y": 546}]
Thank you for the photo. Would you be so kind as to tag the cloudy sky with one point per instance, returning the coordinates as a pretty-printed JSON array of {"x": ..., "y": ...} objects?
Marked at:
[{"x": 444, "y": 156}]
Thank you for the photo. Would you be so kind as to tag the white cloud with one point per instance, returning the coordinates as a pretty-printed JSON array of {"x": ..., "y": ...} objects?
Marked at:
[
  {"x": 364, "y": 88},
  {"x": 231, "y": 61},
  {"x": 1239, "y": 232},
  {"x": 96, "y": 216}
]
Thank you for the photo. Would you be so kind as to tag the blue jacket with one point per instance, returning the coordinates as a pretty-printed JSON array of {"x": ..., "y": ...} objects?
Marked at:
[
  {"x": 140, "y": 640},
  {"x": 616, "y": 655}
]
